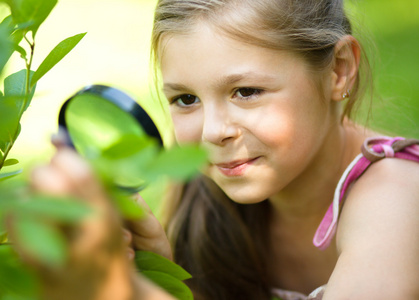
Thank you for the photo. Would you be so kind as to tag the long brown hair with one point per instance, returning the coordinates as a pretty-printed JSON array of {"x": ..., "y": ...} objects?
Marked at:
[{"x": 220, "y": 242}]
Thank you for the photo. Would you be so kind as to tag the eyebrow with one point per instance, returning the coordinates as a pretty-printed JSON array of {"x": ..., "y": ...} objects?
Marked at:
[
  {"x": 225, "y": 80},
  {"x": 234, "y": 78},
  {"x": 174, "y": 87}
]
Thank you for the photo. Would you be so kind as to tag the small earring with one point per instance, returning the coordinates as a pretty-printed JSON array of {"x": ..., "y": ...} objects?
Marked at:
[{"x": 347, "y": 94}]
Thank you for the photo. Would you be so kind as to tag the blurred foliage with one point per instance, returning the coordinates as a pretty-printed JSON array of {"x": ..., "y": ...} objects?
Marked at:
[
  {"x": 17, "y": 34},
  {"x": 31, "y": 214},
  {"x": 38, "y": 220}
]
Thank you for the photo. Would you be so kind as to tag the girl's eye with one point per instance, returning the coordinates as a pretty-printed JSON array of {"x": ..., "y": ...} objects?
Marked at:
[
  {"x": 185, "y": 100},
  {"x": 247, "y": 92}
]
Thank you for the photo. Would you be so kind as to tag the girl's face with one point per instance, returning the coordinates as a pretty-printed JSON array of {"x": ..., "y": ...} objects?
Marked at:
[{"x": 257, "y": 111}]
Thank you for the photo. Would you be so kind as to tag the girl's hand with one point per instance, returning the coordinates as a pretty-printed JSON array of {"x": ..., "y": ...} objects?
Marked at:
[
  {"x": 97, "y": 265},
  {"x": 147, "y": 234}
]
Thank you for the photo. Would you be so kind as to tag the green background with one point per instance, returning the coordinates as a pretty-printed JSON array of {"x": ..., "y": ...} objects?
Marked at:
[{"x": 390, "y": 30}]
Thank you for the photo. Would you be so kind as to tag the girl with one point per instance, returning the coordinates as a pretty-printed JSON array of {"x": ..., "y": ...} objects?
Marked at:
[
  {"x": 268, "y": 87},
  {"x": 287, "y": 206}
]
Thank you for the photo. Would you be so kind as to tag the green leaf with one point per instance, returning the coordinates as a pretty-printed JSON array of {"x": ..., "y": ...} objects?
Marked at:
[
  {"x": 14, "y": 277},
  {"x": 33, "y": 12},
  {"x": 150, "y": 261},
  {"x": 60, "y": 209},
  {"x": 4, "y": 176},
  {"x": 179, "y": 163},
  {"x": 127, "y": 167},
  {"x": 128, "y": 145},
  {"x": 57, "y": 54},
  {"x": 38, "y": 239},
  {"x": 6, "y": 46},
  {"x": 21, "y": 51},
  {"x": 10, "y": 162},
  {"x": 172, "y": 285},
  {"x": 128, "y": 208},
  {"x": 17, "y": 36},
  {"x": 7, "y": 21},
  {"x": 15, "y": 86},
  {"x": 9, "y": 120}
]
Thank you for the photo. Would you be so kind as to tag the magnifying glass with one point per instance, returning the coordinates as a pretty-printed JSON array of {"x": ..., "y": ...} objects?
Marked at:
[{"x": 97, "y": 117}]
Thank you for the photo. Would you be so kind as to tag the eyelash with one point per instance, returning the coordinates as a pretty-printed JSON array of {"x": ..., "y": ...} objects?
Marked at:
[
  {"x": 176, "y": 100},
  {"x": 255, "y": 92}
]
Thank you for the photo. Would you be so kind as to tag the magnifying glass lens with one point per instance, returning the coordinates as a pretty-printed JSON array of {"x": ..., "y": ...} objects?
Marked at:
[
  {"x": 111, "y": 130},
  {"x": 94, "y": 124}
]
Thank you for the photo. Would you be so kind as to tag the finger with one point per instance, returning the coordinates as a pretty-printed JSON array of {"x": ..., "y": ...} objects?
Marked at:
[
  {"x": 141, "y": 202},
  {"x": 48, "y": 180},
  {"x": 147, "y": 225},
  {"x": 90, "y": 231},
  {"x": 147, "y": 232},
  {"x": 130, "y": 254},
  {"x": 79, "y": 175},
  {"x": 60, "y": 139},
  {"x": 126, "y": 234},
  {"x": 159, "y": 245},
  {"x": 101, "y": 229}
]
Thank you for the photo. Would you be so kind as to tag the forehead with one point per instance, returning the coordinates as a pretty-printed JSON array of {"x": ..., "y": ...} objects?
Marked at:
[
  {"x": 196, "y": 33},
  {"x": 206, "y": 49}
]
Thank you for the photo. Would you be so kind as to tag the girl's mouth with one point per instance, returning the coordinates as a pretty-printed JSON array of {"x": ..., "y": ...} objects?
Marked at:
[{"x": 235, "y": 168}]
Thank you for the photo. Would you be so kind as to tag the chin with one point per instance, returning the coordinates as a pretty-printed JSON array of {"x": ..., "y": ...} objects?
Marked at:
[
  {"x": 243, "y": 191},
  {"x": 243, "y": 197}
]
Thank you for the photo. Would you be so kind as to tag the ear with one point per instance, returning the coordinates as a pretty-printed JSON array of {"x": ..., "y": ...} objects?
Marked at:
[{"x": 346, "y": 66}]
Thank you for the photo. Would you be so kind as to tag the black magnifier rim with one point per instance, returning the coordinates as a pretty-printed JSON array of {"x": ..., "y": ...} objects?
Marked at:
[{"x": 122, "y": 101}]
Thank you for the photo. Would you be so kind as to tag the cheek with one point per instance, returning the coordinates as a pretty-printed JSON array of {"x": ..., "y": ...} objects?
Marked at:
[
  {"x": 275, "y": 125},
  {"x": 188, "y": 128},
  {"x": 289, "y": 128}
]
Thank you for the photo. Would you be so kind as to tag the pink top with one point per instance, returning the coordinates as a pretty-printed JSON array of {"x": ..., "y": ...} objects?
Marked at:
[{"x": 373, "y": 150}]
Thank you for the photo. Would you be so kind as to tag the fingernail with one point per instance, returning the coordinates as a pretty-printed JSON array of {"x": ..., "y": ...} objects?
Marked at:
[
  {"x": 61, "y": 138},
  {"x": 130, "y": 254},
  {"x": 127, "y": 236}
]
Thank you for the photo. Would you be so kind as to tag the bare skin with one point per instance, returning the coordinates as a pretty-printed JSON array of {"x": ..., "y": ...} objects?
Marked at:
[
  {"x": 147, "y": 234},
  {"x": 296, "y": 264}
]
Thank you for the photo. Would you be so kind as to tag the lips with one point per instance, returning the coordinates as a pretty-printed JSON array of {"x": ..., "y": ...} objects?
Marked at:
[{"x": 235, "y": 168}]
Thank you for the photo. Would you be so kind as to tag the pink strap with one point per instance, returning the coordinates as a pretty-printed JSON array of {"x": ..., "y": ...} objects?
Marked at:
[{"x": 373, "y": 150}]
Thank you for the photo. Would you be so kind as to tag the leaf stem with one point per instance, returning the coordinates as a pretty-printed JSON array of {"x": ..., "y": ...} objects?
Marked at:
[
  {"x": 6, "y": 152},
  {"x": 28, "y": 78}
]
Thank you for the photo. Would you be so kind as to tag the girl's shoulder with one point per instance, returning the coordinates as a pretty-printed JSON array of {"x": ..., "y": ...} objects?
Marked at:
[
  {"x": 378, "y": 232},
  {"x": 382, "y": 165},
  {"x": 385, "y": 180},
  {"x": 388, "y": 189}
]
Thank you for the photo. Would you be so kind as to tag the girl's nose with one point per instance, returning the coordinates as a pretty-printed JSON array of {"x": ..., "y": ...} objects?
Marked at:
[{"x": 219, "y": 127}]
